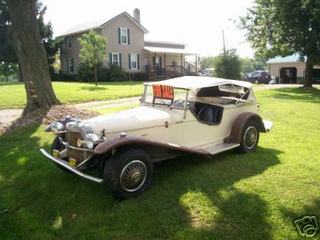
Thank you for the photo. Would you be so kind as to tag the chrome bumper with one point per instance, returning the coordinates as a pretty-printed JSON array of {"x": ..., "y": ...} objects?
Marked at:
[
  {"x": 68, "y": 167},
  {"x": 267, "y": 125}
]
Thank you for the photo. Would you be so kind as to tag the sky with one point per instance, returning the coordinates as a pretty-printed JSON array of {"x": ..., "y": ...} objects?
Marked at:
[{"x": 198, "y": 24}]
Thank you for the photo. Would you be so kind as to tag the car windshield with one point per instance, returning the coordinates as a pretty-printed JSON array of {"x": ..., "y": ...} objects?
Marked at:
[
  {"x": 254, "y": 74},
  {"x": 165, "y": 95}
]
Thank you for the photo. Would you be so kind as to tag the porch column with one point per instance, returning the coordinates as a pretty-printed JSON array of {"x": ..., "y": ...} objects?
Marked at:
[
  {"x": 164, "y": 60},
  {"x": 196, "y": 63},
  {"x": 181, "y": 63}
]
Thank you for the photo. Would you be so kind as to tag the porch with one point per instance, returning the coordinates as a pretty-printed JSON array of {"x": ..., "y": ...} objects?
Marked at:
[{"x": 163, "y": 63}]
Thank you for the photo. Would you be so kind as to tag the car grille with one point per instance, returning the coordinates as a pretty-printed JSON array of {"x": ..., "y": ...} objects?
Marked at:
[{"x": 72, "y": 139}]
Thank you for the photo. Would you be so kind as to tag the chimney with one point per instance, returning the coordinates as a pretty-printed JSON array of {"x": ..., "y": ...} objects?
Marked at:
[{"x": 136, "y": 15}]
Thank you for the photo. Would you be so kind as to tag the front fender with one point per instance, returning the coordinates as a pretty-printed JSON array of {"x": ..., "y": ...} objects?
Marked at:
[{"x": 108, "y": 146}]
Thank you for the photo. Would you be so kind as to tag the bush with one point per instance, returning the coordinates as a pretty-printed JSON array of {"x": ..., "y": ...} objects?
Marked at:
[
  {"x": 65, "y": 77},
  {"x": 112, "y": 74},
  {"x": 140, "y": 76},
  {"x": 117, "y": 74},
  {"x": 228, "y": 65},
  {"x": 85, "y": 73},
  {"x": 103, "y": 74}
]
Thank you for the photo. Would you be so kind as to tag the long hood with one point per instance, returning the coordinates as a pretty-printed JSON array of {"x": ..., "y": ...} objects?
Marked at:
[{"x": 136, "y": 118}]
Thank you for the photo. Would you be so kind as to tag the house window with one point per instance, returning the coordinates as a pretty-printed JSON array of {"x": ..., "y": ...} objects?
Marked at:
[
  {"x": 69, "y": 43},
  {"x": 134, "y": 61},
  {"x": 115, "y": 59},
  {"x": 71, "y": 65},
  {"x": 124, "y": 36}
]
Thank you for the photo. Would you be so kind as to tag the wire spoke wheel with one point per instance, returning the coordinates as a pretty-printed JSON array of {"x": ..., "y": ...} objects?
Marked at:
[
  {"x": 133, "y": 176},
  {"x": 250, "y": 137}
]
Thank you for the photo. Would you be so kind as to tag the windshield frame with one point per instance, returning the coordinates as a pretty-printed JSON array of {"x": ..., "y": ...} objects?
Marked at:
[{"x": 172, "y": 105}]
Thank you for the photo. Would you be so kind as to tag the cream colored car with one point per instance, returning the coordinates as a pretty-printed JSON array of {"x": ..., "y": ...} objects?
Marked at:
[{"x": 196, "y": 115}]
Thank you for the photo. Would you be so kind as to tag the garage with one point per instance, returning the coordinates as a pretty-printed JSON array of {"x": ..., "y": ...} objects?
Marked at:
[
  {"x": 288, "y": 75},
  {"x": 290, "y": 70}
]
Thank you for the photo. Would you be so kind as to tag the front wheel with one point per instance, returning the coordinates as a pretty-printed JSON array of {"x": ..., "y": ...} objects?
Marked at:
[
  {"x": 249, "y": 137},
  {"x": 128, "y": 173}
]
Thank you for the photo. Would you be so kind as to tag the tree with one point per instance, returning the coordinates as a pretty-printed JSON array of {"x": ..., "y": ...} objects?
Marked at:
[
  {"x": 252, "y": 64},
  {"x": 25, "y": 39},
  {"x": 7, "y": 53},
  {"x": 46, "y": 34},
  {"x": 285, "y": 27},
  {"x": 7, "y": 70},
  {"x": 92, "y": 52},
  {"x": 207, "y": 62},
  {"x": 228, "y": 65}
]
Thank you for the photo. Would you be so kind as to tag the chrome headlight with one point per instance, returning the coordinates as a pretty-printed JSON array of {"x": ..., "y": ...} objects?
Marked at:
[
  {"x": 92, "y": 137},
  {"x": 89, "y": 141},
  {"x": 87, "y": 129},
  {"x": 85, "y": 144},
  {"x": 56, "y": 126}
]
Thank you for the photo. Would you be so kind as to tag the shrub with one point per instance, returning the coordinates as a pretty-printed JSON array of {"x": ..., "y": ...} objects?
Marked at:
[
  {"x": 66, "y": 77},
  {"x": 140, "y": 76},
  {"x": 85, "y": 73},
  {"x": 103, "y": 74},
  {"x": 117, "y": 74}
]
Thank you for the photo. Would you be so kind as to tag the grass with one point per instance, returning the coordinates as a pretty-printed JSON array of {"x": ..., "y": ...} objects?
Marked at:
[
  {"x": 231, "y": 196},
  {"x": 12, "y": 95}
]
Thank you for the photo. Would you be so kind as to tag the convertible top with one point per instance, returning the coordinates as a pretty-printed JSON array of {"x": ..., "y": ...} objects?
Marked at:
[{"x": 196, "y": 82}]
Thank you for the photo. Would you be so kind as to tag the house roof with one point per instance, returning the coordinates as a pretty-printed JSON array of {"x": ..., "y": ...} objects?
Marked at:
[
  {"x": 288, "y": 59},
  {"x": 163, "y": 44},
  {"x": 195, "y": 82},
  {"x": 99, "y": 24},
  {"x": 168, "y": 50}
]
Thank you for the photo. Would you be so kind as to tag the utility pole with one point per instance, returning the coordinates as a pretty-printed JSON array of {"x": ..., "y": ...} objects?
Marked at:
[{"x": 224, "y": 43}]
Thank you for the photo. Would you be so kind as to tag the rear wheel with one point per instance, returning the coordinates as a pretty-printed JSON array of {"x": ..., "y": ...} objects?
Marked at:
[
  {"x": 249, "y": 137},
  {"x": 128, "y": 173}
]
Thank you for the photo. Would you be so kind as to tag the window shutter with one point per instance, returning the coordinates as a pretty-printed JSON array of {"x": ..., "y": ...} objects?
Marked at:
[
  {"x": 110, "y": 58},
  {"x": 68, "y": 66},
  {"x": 138, "y": 61},
  {"x": 119, "y": 36},
  {"x": 129, "y": 61},
  {"x": 128, "y": 33},
  {"x": 120, "y": 60}
]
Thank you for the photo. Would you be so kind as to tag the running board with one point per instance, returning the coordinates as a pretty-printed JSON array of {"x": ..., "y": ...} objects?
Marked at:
[{"x": 220, "y": 147}]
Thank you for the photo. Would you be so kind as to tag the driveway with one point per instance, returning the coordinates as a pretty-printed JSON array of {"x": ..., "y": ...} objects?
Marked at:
[{"x": 10, "y": 115}]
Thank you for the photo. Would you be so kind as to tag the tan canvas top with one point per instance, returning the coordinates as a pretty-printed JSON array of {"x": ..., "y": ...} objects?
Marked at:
[{"x": 195, "y": 82}]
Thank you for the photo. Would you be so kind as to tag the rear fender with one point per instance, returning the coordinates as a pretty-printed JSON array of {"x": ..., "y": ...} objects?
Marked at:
[{"x": 239, "y": 123}]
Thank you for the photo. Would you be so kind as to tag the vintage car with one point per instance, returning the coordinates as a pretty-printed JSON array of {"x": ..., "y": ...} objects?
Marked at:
[{"x": 187, "y": 115}]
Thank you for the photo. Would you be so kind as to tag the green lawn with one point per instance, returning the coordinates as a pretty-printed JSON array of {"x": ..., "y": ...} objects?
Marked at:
[
  {"x": 231, "y": 196},
  {"x": 13, "y": 95}
]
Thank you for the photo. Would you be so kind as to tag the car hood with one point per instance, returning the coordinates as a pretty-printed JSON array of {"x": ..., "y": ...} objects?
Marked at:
[{"x": 136, "y": 118}]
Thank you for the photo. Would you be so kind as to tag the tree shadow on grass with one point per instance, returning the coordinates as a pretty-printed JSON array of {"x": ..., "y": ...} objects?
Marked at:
[
  {"x": 186, "y": 200},
  {"x": 35, "y": 194},
  {"x": 298, "y": 94},
  {"x": 94, "y": 88},
  {"x": 50, "y": 204}
]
